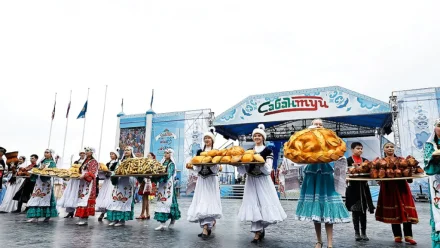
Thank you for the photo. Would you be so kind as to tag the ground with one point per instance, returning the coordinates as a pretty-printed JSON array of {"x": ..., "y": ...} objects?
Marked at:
[{"x": 229, "y": 232}]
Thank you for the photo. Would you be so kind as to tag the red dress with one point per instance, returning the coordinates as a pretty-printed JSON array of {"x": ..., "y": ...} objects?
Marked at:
[
  {"x": 87, "y": 189},
  {"x": 396, "y": 204}
]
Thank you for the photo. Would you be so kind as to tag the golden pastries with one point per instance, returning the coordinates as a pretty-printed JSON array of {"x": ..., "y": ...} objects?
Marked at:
[
  {"x": 213, "y": 153},
  {"x": 236, "y": 151},
  {"x": 189, "y": 166},
  {"x": 236, "y": 159},
  {"x": 204, "y": 154},
  {"x": 217, "y": 159},
  {"x": 249, "y": 152},
  {"x": 222, "y": 152},
  {"x": 207, "y": 159},
  {"x": 259, "y": 158},
  {"x": 197, "y": 159},
  {"x": 317, "y": 145},
  {"x": 103, "y": 167},
  {"x": 226, "y": 159},
  {"x": 247, "y": 158}
]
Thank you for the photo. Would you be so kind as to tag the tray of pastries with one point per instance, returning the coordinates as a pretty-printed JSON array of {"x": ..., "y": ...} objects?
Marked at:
[{"x": 235, "y": 155}]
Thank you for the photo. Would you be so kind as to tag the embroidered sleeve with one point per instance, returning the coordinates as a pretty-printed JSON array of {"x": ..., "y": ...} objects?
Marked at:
[
  {"x": 428, "y": 149},
  {"x": 197, "y": 168}
]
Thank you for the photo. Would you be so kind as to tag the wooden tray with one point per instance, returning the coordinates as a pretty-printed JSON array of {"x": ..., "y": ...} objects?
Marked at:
[
  {"x": 386, "y": 178},
  {"x": 142, "y": 175},
  {"x": 233, "y": 164},
  {"x": 52, "y": 176}
]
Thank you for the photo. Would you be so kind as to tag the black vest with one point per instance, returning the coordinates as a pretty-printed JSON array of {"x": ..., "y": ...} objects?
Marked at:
[
  {"x": 206, "y": 170},
  {"x": 112, "y": 166},
  {"x": 255, "y": 170}
]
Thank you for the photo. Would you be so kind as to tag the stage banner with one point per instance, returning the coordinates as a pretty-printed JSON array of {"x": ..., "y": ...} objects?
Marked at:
[{"x": 168, "y": 132}]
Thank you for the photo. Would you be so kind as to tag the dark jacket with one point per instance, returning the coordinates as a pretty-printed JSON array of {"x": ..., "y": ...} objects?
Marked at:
[{"x": 358, "y": 191}]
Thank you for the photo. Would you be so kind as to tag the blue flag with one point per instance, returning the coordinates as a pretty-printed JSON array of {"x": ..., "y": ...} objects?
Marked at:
[{"x": 82, "y": 114}]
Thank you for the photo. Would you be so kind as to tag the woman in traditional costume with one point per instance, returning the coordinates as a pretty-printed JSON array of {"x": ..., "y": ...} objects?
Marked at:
[
  {"x": 121, "y": 207},
  {"x": 432, "y": 168},
  {"x": 145, "y": 189},
  {"x": 14, "y": 184},
  {"x": 42, "y": 203},
  {"x": 24, "y": 194},
  {"x": 260, "y": 205},
  {"x": 69, "y": 199},
  {"x": 396, "y": 205},
  {"x": 319, "y": 202},
  {"x": 166, "y": 206},
  {"x": 206, "y": 206},
  {"x": 105, "y": 195},
  {"x": 357, "y": 196},
  {"x": 87, "y": 187}
]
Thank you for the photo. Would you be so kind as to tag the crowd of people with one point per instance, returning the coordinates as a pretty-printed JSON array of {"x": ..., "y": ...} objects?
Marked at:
[{"x": 318, "y": 202}]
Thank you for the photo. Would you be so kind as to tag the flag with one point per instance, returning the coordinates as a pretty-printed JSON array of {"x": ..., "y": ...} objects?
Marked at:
[
  {"x": 152, "y": 96},
  {"x": 82, "y": 114},
  {"x": 68, "y": 109},
  {"x": 53, "y": 111},
  {"x": 122, "y": 105}
]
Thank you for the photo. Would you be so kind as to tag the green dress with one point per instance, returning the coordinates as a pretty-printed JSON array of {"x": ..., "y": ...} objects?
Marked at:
[
  {"x": 166, "y": 206},
  {"x": 431, "y": 169},
  {"x": 40, "y": 196}
]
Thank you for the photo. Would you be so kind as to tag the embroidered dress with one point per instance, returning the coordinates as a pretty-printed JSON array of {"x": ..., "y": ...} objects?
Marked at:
[
  {"x": 87, "y": 189},
  {"x": 42, "y": 202},
  {"x": 206, "y": 206},
  {"x": 166, "y": 201},
  {"x": 318, "y": 201},
  {"x": 260, "y": 205},
  {"x": 433, "y": 168},
  {"x": 121, "y": 207}
]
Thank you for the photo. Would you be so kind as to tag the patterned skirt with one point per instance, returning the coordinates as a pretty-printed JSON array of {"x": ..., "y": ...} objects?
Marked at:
[
  {"x": 121, "y": 215},
  {"x": 319, "y": 202},
  {"x": 44, "y": 212}
]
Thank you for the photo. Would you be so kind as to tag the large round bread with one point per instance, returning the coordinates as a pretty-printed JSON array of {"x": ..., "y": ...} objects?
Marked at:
[
  {"x": 236, "y": 151},
  {"x": 316, "y": 145}
]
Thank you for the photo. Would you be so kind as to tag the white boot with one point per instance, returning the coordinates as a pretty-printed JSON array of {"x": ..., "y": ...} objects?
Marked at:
[
  {"x": 120, "y": 223},
  {"x": 32, "y": 220},
  {"x": 171, "y": 225},
  {"x": 82, "y": 223},
  {"x": 161, "y": 227}
]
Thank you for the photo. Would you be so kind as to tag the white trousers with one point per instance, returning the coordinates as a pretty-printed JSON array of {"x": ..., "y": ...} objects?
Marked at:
[
  {"x": 258, "y": 226},
  {"x": 207, "y": 221}
]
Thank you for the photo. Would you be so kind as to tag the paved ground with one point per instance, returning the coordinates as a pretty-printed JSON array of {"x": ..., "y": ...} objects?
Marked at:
[{"x": 230, "y": 233}]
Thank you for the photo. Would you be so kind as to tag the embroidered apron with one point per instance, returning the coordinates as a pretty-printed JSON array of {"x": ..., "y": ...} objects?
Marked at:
[{"x": 41, "y": 195}]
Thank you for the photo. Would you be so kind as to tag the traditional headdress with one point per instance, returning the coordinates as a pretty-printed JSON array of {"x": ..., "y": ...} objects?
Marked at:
[
  {"x": 2, "y": 150},
  {"x": 210, "y": 133},
  {"x": 129, "y": 148},
  {"x": 171, "y": 152},
  {"x": 260, "y": 130},
  {"x": 432, "y": 137},
  {"x": 116, "y": 153}
]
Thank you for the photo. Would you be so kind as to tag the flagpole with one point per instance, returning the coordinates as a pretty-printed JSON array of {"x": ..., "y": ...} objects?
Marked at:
[
  {"x": 67, "y": 122},
  {"x": 102, "y": 124},
  {"x": 51, "y": 122},
  {"x": 85, "y": 117}
]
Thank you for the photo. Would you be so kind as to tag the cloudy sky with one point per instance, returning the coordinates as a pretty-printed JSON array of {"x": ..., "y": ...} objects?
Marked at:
[{"x": 196, "y": 54}]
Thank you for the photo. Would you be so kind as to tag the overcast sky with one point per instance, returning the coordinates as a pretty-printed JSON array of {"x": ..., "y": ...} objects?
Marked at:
[{"x": 196, "y": 54}]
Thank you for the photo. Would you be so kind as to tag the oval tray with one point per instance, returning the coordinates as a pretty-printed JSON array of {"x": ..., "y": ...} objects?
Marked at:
[{"x": 386, "y": 178}]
